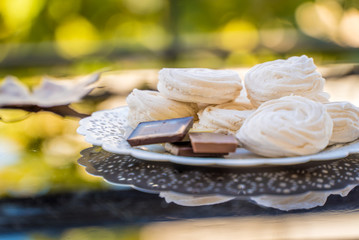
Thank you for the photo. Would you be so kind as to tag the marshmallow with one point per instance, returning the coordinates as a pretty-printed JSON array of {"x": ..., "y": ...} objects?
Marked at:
[
  {"x": 279, "y": 78},
  {"x": 199, "y": 85},
  {"x": 288, "y": 126},
  {"x": 346, "y": 121},
  {"x": 146, "y": 105},
  {"x": 224, "y": 118}
]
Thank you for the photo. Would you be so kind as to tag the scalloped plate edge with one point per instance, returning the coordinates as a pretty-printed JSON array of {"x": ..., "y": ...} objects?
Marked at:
[{"x": 329, "y": 154}]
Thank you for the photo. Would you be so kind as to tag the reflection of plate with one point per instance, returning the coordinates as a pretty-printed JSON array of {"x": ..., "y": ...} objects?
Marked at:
[
  {"x": 109, "y": 129},
  {"x": 284, "y": 188},
  {"x": 233, "y": 182}
]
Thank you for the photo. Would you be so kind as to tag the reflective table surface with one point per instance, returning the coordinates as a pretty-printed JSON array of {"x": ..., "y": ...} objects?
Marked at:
[{"x": 55, "y": 185}]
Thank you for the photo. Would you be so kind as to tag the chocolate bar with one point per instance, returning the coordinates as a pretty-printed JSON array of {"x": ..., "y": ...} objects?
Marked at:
[
  {"x": 185, "y": 149},
  {"x": 213, "y": 143},
  {"x": 170, "y": 130},
  {"x": 193, "y": 130}
]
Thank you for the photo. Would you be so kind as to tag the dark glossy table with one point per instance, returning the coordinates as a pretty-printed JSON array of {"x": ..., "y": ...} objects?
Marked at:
[{"x": 122, "y": 207}]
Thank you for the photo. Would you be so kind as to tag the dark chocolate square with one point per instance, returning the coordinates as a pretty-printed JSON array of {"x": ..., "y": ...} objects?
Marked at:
[
  {"x": 170, "y": 130},
  {"x": 185, "y": 149}
]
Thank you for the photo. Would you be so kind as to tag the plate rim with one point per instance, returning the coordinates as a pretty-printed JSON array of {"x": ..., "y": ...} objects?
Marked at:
[{"x": 325, "y": 155}]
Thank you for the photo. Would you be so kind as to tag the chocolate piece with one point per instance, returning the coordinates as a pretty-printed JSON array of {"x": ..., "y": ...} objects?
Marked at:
[
  {"x": 170, "y": 130},
  {"x": 185, "y": 149},
  {"x": 193, "y": 130},
  {"x": 213, "y": 143}
]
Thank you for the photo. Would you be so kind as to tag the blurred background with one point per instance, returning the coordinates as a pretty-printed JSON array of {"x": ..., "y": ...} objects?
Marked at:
[
  {"x": 60, "y": 38},
  {"x": 125, "y": 34}
]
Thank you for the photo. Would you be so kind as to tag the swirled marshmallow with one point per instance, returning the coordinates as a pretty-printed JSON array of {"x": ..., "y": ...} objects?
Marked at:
[
  {"x": 288, "y": 126},
  {"x": 346, "y": 121},
  {"x": 224, "y": 118},
  {"x": 199, "y": 85},
  {"x": 279, "y": 78},
  {"x": 146, "y": 105}
]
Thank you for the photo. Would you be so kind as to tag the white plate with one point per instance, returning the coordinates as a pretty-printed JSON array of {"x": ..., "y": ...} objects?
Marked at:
[{"x": 109, "y": 129}]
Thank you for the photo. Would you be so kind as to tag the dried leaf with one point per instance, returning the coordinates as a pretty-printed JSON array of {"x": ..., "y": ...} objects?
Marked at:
[{"x": 49, "y": 93}]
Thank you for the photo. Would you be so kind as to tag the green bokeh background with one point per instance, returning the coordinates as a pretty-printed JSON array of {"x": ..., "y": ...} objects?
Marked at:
[{"x": 82, "y": 35}]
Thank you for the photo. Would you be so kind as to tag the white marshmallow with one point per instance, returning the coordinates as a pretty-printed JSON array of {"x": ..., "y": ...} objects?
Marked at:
[
  {"x": 288, "y": 126},
  {"x": 279, "y": 78},
  {"x": 346, "y": 121},
  {"x": 199, "y": 85},
  {"x": 146, "y": 105},
  {"x": 224, "y": 118}
]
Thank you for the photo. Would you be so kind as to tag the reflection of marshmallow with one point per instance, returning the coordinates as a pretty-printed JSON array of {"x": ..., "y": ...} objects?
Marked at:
[
  {"x": 224, "y": 118},
  {"x": 346, "y": 121},
  {"x": 148, "y": 105},
  {"x": 190, "y": 201},
  {"x": 286, "y": 203},
  {"x": 275, "y": 79},
  {"x": 301, "y": 201},
  {"x": 199, "y": 85},
  {"x": 288, "y": 126}
]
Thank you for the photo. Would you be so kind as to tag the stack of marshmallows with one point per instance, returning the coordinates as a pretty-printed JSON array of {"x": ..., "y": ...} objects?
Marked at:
[{"x": 288, "y": 113}]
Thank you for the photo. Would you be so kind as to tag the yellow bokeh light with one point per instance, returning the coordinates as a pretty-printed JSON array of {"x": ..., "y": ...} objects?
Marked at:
[
  {"x": 319, "y": 19},
  {"x": 278, "y": 35},
  {"x": 127, "y": 31},
  {"x": 328, "y": 20},
  {"x": 76, "y": 37},
  {"x": 154, "y": 37},
  {"x": 24, "y": 179},
  {"x": 349, "y": 28},
  {"x": 18, "y": 12},
  {"x": 329, "y": 13},
  {"x": 131, "y": 32},
  {"x": 17, "y": 15},
  {"x": 130, "y": 28},
  {"x": 239, "y": 35},
  {"x": 239, "y": 58}
]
